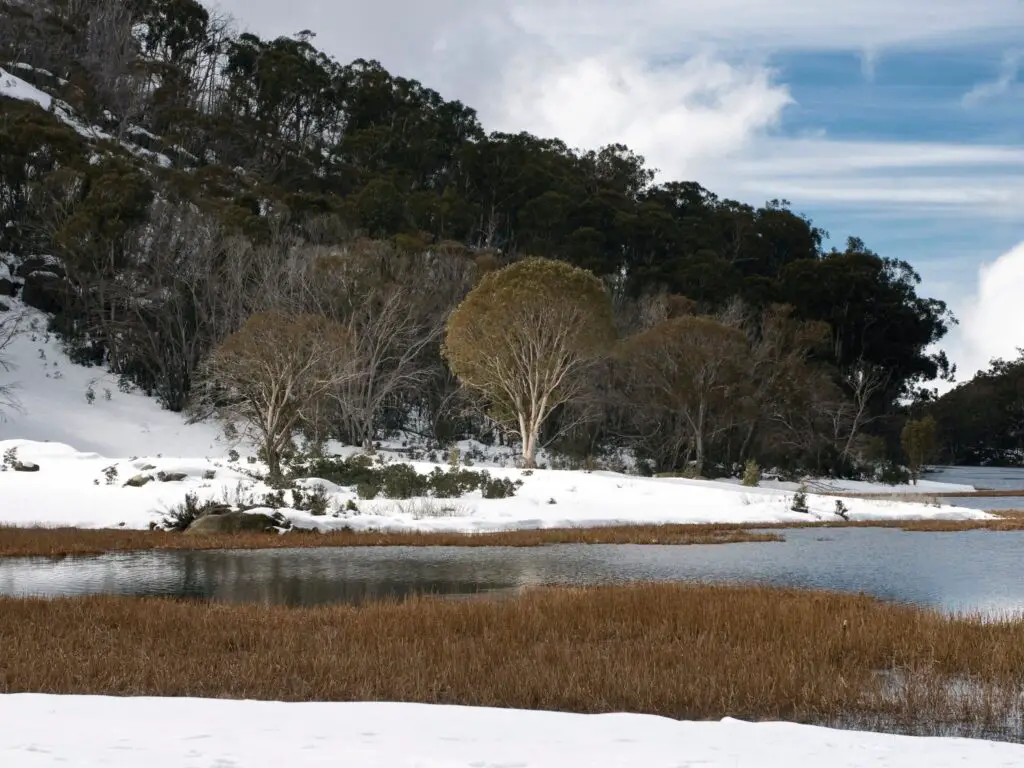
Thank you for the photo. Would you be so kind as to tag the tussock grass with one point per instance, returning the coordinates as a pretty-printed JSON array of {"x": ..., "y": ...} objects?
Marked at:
[
  {"x": 678, "y": 651},
  {"x": 60, "y": 542}
]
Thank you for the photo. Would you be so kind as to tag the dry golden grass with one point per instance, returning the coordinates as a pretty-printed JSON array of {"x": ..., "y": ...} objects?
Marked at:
[
  {"x": 678, "y": 651},
  {"x": 59, "y": 542}
]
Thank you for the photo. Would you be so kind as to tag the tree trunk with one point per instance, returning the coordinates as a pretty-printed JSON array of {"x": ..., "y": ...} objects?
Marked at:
[{"x": 530, "y": 448}]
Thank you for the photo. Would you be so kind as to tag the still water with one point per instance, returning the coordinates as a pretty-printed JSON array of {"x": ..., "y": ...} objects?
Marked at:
[
  {"x": 973, "y": 571},
  {"x": 986, "y": 479}
]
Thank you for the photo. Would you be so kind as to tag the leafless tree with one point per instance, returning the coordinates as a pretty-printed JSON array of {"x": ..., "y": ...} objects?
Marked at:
[
  {"x": 12, "y": 322},
  {"x": 272, "y": 375},
  {"x": 864, "y": 381},
  {"x": 690, "y": 373},
  {"x": 394, "y": 306}
]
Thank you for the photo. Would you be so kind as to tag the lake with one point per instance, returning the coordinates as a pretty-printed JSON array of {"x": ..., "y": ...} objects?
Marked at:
[
  {"x": 971, "y": 571},
  {"x": 983, "y": 478}
]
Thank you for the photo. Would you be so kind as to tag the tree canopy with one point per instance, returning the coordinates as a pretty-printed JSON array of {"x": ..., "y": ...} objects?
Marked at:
[{"x": 525, "y": 337}]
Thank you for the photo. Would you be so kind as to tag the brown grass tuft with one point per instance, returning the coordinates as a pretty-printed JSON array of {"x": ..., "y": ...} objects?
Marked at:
[
  {"x": 60, "y": 542},
  {"x": 679, "y": 651}
]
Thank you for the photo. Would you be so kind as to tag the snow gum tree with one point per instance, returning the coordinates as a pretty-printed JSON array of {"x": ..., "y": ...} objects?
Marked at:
[
  {"x": 524, "y": 339},
  {"x": 273, "y": 374}
]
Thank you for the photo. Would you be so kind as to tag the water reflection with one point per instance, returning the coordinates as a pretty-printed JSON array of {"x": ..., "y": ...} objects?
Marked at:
[{"x": 973, "y": 571}]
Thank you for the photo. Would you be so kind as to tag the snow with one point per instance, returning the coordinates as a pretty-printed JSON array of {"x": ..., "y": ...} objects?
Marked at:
[
  {"x": 52, "y": 392},
  {"x": 15, "y": 88},
  {"x": 76, "y": 442},
  {"x": 42, "y": 731}
]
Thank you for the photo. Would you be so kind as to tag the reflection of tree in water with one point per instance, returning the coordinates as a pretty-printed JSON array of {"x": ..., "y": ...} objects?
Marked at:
[{"x": 245, "y": 578}]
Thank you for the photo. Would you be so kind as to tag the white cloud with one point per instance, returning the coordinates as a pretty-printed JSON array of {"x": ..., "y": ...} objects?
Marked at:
[
  {"x": 992, "y": 319},
  {"x": 1007, "y": 77},
  {"x": 676, "y": 115}
]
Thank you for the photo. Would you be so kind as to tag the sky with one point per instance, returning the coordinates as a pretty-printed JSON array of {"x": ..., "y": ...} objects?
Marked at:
[{"x": 899, "y": 121}]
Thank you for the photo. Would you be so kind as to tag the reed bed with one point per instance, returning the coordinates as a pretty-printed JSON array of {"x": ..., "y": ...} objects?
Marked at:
[
  {"x": 692, "y": 652},
  {"x": 62, "y": 542}
]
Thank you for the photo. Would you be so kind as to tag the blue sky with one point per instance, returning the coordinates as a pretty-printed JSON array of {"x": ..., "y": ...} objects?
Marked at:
[
  {"x": 899, "y": 121},
  {"x": 935, "y": 96}
]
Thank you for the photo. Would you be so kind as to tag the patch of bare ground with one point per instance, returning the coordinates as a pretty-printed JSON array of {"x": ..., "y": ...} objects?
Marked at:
[{"x": 694, "y": 652}]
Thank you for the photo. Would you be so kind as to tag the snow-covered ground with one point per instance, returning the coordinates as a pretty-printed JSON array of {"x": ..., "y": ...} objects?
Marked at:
[
  {"x": 76, "y": 437},
  {"x": 39, "y": 731}
]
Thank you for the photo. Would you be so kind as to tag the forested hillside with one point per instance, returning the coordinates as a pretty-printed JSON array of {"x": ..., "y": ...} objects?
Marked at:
[
  {"x": 982, "y": 420},
  {"x": 185, "y": 177}
]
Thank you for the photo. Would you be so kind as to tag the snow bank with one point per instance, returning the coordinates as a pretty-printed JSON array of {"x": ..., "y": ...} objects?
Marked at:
[
  {"x": 15, "y": 88},
  {"x": 86, "y": 489},
  {"x": 38, "y": 731},
  {"x": 55, "y": 406}
]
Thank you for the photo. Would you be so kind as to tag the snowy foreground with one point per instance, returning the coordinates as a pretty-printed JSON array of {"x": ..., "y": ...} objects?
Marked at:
[
  {"x": 42, "y": 731},
  {"x": 89, "y": 438}
]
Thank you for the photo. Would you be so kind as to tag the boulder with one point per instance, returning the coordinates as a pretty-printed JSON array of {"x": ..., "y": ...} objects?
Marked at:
[
  {"x": 234, "y": 522},
  {"x": 43, "y": 290},
  {"x": 138, "y": 481},
  {"x": 44, "y": 264},
  {"x": 26, "y": 466},
  {"x": 7, "y": 287},
  {"x": 171, "y": 477}
]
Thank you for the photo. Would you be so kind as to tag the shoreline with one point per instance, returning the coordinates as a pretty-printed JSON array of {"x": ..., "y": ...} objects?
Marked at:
[{"x": 17, "y": 541}]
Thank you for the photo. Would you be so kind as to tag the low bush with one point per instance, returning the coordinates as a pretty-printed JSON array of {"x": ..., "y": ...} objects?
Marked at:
[
  {"x": 181, "y": 516},
  {"x": 402, "y": 481}
]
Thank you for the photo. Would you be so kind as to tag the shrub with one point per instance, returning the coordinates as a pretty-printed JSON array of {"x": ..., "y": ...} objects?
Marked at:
[
  {"x": 751, "y": 474},
  {"x": 315, "y": 501},
  {"x": 892, "y": 473},
  {"x": 181, "y": 516},
  {"x": 499, "y": 487},
  {"x": 841, "y": 510},
  {"x": 402, "y": 481},
  {"x": 367, "y": 490},
  {"x": 800, "y": 501}
]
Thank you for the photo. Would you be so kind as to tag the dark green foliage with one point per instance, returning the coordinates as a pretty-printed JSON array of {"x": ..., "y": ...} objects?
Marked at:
[
  {"x": 800, "y": 501},
  {"x": 315, "y": 501},
  {"x": 982, "y": 420},
  {"x": 891, "y": 473},
  {"x": 402, "y": 481}
]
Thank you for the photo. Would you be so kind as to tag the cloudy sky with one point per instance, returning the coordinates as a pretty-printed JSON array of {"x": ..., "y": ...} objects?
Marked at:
[{"x": 900, "y": 121}]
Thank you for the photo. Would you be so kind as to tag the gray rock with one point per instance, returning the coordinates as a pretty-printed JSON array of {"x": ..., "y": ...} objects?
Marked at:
[
  {"x": 233, "y": 522},
  {"x": 7, "y": 287},
  {"x": 138, "y": 481},
  {"x": 26, "y": 466},
  {"x": 171, "y": 477},
  {"x": 44, "y": 264},
  {"x": 43, "y": 290}
]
